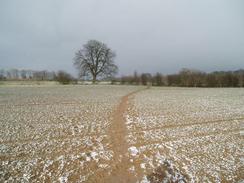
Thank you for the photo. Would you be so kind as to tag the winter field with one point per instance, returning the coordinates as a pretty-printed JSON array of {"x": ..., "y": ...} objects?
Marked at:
[{"x": 121, "y": 134}]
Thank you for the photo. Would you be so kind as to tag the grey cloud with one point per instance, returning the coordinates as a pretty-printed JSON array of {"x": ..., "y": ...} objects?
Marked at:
[{"x": 148, "y": 36}]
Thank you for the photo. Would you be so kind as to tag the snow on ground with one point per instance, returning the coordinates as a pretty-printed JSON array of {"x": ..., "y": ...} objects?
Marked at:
[
  {"x": 187, "y": 134},
  {"x": 133, "y": 151},
  {"x": 60, "y": 133},
  {"x": 56, "y": 133}
]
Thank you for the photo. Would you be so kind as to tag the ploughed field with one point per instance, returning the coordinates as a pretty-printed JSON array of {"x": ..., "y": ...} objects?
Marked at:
[{"x": 121, "y": 134}]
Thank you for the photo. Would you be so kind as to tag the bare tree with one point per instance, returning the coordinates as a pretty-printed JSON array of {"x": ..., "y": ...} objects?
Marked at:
[
  {"x": 14, "y": 74},
  {"x": 157, "y": 79},
  {"x": 94, "y": 60},
  {"x": 136, "y": 78},
  {"x": 23, "y": 74},
  {"x": 2, "y": 74},
  {"x": 146, "y": 78}
]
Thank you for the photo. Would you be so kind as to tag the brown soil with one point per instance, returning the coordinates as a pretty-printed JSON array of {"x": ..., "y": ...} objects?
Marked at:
[{"x": 117, "y": 132}]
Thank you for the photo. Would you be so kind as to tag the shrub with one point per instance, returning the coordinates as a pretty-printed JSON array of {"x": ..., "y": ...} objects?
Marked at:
[{"x": 64, "y": 77}]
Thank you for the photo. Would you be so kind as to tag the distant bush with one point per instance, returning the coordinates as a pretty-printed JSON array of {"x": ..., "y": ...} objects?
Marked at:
[{"x": 64, "y": 77}]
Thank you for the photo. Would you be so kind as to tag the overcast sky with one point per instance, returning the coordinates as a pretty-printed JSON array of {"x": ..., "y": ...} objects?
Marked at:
[{"x": 147, "y": 35}]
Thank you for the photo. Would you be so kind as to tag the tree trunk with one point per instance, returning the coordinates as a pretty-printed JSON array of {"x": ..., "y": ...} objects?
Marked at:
[{"x": 94, "y": 79}]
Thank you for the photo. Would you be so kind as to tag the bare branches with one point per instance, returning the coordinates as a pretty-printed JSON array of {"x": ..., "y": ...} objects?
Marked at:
[{"x": 95, "y": 60}]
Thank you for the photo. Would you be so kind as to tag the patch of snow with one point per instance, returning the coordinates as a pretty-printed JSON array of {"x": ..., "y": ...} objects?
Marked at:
[
  {"x": 26, "y": 176},
  {"x": 132, "y": 169},
  {"x": 242, "y": 133},
  {"x": 94, "y": 156},
  {"x": 133, "y": 151},
  {"x": 82, "y": 178},
  {"x": 88, "y": 158},
  {"x": 143, "y": 166},
  {"x": 145, "y": 180},
  {"x": 63, "y": 179},
  {"x": 242, "y": 160},
  {"x": 61, "y": 158},
  {"x": 3, "y": 148},
  {"x": 103, "y": 166},
  {"x": 128, "y": 120}
]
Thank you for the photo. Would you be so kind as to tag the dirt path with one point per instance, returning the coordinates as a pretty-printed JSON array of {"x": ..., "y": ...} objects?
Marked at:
[{"x": 118, "y": 131}]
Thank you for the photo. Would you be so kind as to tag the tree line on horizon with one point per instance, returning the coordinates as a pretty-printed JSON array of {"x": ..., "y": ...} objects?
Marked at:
[
  {"x": 34, "y": 75},
  {"x": 187, "y": 78},
  {"x": 184, "y": 78}
]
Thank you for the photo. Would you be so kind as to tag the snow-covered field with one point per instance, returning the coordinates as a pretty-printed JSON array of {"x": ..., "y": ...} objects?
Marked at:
[
  {"x": 61, "y": 133},
  {"x": 56, "y": 133},
  {"x": 190, "y": 133}
]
